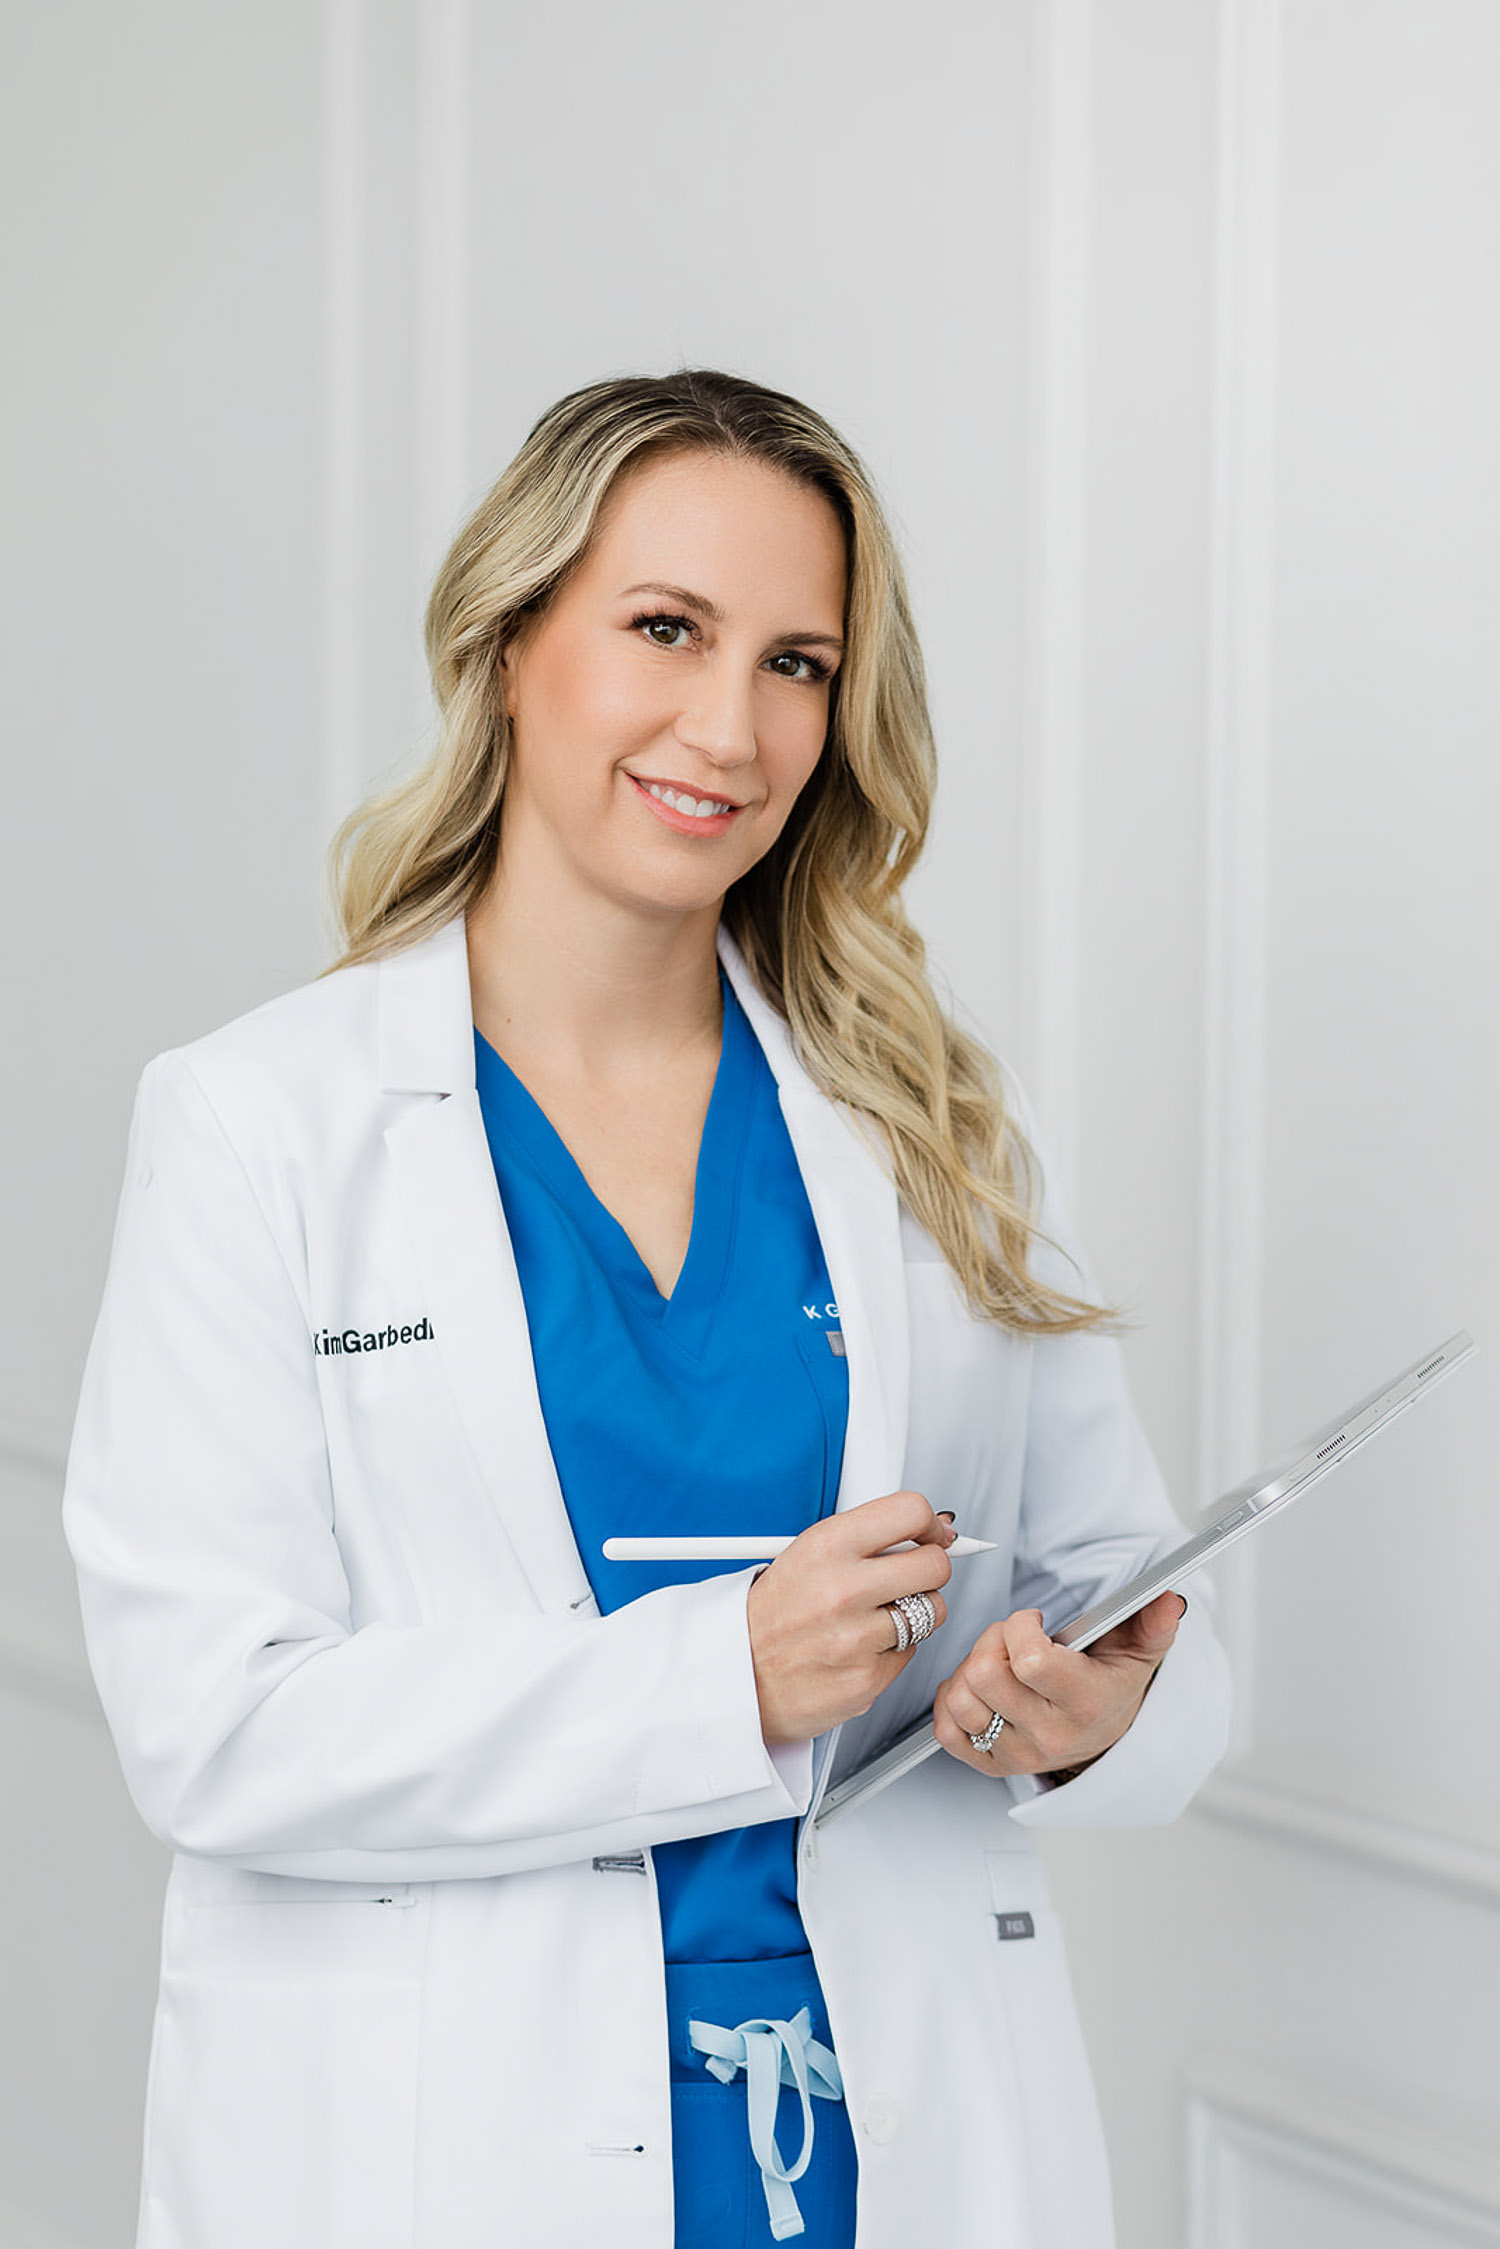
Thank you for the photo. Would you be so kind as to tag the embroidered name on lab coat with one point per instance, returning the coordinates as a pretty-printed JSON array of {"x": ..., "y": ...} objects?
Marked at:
[{"x": 333, "y": 1345}]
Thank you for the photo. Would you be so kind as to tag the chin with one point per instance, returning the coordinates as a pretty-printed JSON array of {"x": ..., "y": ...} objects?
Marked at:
[
  {"x": 676, "y": 890},
  {"x": 676, "y": 904}
]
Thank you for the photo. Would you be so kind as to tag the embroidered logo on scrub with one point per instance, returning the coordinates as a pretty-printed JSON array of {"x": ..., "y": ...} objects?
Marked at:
[
  {"x": 330, "y": 1344},
  {"x": 820, "y": 1313},
  {"x": 1009, "y": 1926}
]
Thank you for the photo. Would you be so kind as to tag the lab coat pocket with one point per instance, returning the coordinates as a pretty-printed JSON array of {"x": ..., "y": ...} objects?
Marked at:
[
  {"x": 1029, "y": 1983},
  {"x": 283, "y": 2085}
]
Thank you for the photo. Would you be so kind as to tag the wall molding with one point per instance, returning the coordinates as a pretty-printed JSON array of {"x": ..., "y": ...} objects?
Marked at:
[
  {"x": 441, "y": 438},
  {"x": 1245, "y": 1798},
  {"x": 1051, "y": 744},
  {"x": 396, "y": 292},
  {"x": 344, "y": 436},
  {"x": 1237, "y": 759},
  {"x": 1236, "y": 875},
  {"x": 1236, "y": 778},
  {"x": 1242, "y": 2117}
]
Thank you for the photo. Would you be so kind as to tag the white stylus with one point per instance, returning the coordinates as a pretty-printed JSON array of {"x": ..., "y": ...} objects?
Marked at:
[{"x": 744, "y": 1549}]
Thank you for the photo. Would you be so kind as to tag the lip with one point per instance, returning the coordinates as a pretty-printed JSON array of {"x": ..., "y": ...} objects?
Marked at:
[{"x": 684, "y": 823}]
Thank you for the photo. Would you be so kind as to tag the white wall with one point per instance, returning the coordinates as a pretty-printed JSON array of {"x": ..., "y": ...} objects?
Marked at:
[
  {"x": 161, "y": 604},
  {"x": 1170, "y": 331},
  {"x": 1285, "y": 958}
]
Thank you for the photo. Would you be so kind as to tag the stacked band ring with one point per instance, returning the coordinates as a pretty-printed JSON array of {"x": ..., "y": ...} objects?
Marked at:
[
  {"x": 986, "y": 1741},
  {"x": 914, "y": 1617}
]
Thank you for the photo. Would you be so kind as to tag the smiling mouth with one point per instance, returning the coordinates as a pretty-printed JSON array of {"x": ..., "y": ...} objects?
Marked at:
[{"x": 680, "y": 800}]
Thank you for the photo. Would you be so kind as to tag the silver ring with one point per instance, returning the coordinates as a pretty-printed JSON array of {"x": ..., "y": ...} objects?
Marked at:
[
  {"x": 986, "y": 1741},
  {"x": 916, "y": 1612},
  {"x": 903, "y": 1628}
]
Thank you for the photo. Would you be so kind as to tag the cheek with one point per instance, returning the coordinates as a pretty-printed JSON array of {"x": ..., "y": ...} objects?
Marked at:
[
  {"x": 583, "y": 708},
  {"x": 575, "y": 723},
  {"x": 616, "y": 705},
  {"x": 795, "y": 754}
]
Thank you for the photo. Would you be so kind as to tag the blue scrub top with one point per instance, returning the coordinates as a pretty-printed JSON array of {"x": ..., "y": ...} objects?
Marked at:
[{"x": 718, "y": 1410}]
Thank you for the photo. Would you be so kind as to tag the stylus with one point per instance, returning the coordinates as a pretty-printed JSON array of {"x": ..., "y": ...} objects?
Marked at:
[{"x": 744, "y": 1549}]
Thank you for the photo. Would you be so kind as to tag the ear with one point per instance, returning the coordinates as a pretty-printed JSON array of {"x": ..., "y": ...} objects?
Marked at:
[
  {"x": 505, "y": 675},
  {"x": 510, "y": 652}
]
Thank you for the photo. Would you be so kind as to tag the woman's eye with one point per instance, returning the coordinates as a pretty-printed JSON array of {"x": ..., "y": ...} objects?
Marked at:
[
  {"x": 812, "y": 668},
  {"x": 671, "y": 625}
]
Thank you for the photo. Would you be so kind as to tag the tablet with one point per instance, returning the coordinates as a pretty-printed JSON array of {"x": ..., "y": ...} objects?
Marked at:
[{"x": 1236, "y": 1514}]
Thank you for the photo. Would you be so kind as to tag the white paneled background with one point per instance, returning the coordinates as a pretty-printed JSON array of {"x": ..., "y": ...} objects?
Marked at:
[{"x": 1171, "y": 331}]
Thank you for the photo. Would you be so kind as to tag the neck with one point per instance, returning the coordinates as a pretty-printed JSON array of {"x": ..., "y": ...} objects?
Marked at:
[{"x": 588, "y": 984}]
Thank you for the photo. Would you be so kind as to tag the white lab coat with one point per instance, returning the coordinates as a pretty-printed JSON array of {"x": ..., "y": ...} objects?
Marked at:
[{"x": 411, "y": 1984}]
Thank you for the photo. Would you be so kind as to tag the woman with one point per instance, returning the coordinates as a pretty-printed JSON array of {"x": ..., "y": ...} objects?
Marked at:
[{"x": 624, "y": 1178}]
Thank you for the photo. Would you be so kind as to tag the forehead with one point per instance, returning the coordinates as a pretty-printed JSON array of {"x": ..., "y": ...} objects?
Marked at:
[{"x": 732, "y": 529}]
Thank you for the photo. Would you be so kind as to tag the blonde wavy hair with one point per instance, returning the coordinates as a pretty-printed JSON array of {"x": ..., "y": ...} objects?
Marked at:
[{"x": 819, "y": 918}]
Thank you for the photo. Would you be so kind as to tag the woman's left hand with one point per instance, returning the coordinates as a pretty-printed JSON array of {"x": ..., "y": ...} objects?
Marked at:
[{"x": 1061, "y": 1708}]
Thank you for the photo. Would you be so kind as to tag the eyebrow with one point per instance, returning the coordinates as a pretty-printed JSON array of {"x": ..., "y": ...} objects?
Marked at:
[{"x": 711, "y": 610}]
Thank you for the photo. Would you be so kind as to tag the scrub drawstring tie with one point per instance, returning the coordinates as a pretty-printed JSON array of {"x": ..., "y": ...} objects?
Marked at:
[{"x": 773, "y": 2054}]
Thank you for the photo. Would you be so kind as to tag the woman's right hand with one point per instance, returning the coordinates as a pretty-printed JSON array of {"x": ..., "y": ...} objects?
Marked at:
[{"x": 820, "y": 1629}]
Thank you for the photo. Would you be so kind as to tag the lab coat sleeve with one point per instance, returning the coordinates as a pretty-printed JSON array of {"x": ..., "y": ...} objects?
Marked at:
[
  {"x": 253, "y": 1721},
  {"x": 1094, "y": 1512}
]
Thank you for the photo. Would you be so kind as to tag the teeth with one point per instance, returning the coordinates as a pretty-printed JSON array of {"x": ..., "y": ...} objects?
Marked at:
[{"x": 697, "y": 808}]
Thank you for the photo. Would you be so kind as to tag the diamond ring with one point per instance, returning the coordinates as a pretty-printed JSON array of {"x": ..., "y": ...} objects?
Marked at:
[{"x": 914, "y": 1617}]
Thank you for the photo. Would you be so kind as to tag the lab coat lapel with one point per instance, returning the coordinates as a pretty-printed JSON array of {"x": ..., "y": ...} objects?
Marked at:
[
  {"x": 452, "y": 1207},
  {"x": 858, "y": 1217},
  {"x": 857, "y": 1212}
]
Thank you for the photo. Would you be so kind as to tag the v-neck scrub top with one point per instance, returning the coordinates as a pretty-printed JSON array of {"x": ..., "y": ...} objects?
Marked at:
[{"x": 719, "y": 1410}]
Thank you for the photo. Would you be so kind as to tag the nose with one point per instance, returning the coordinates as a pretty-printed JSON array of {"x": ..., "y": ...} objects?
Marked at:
[{"x": 717, "y": 720}]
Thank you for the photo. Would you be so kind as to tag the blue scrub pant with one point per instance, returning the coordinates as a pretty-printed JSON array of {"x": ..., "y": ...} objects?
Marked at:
[{"x": 720, "y": 2201}]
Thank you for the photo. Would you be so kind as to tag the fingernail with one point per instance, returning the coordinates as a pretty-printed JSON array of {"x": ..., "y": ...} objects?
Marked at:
[
  {"x": 1182, "y": 1612},
  {"x": 946, "y": 1515}
]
